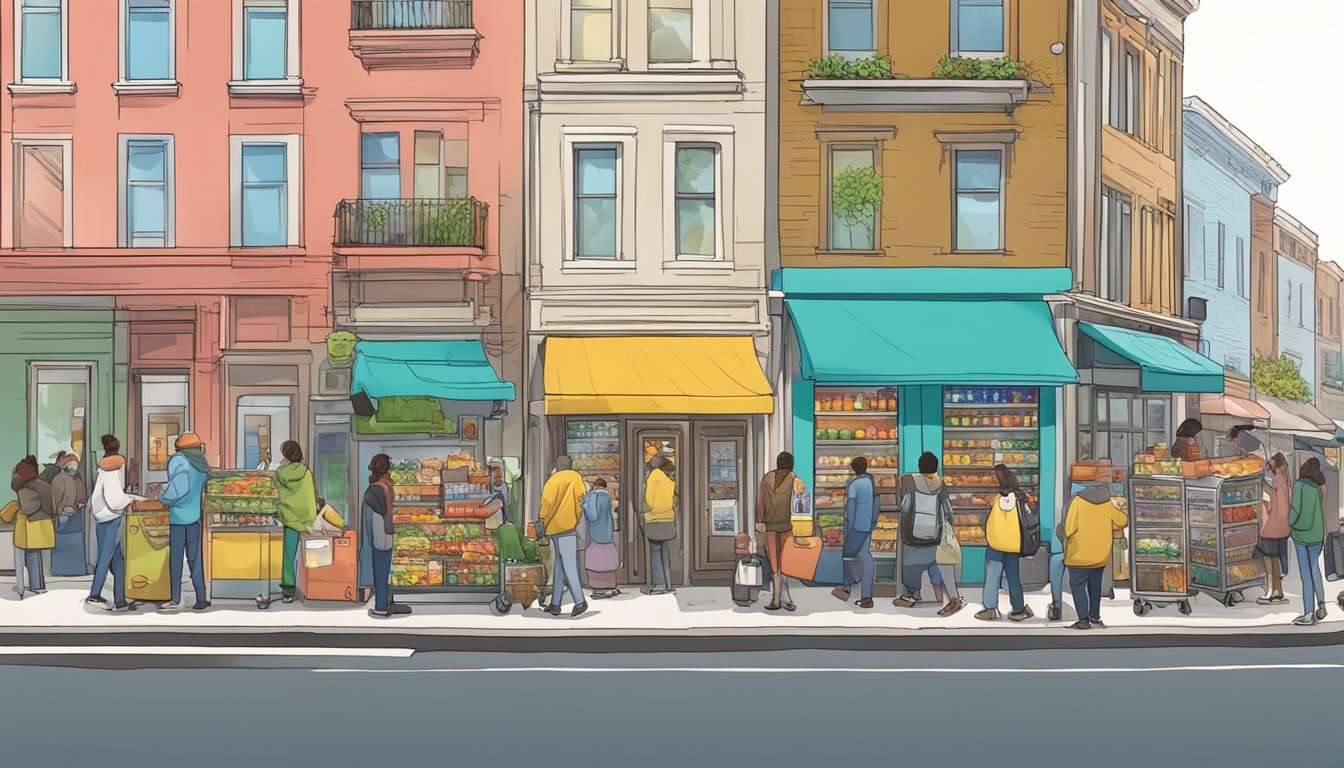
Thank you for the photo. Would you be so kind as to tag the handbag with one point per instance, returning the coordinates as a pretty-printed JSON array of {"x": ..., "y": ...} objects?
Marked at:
[
  {"x": 602, "y": 558},
  {"x": 660, "y": 530},
  {"x": 800, "y": 556},
  {"x": 34, "y": 534},
  {"x": 10, "y": 512},
  {"x": 949, "y": 549}
]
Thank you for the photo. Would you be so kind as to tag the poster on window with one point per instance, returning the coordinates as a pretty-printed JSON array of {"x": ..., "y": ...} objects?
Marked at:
[{"x": 723, "y": 517}]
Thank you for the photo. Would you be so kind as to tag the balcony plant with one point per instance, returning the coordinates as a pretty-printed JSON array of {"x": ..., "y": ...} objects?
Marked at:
[
  {"x": 856, "y": 196},
  {"x": 451, "y": 223},
  {"x": 965, "y": 68},
  {"x": 837, "y": 67},
  {"x": 1279, "y": 378}
]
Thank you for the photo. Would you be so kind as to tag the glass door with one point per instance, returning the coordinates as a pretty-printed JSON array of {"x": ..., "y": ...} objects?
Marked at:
[
  {"x": 263, "y": 426},
  {"x": 720, "y": 498},
  {"x": 59, "y": 410},
  {"x": 330, "y": 465},
  {"x": 163, "y": 416},
  {"x": 649, "y": 442}
]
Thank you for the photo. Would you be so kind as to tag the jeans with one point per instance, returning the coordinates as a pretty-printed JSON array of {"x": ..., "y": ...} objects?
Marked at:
[
  {"x": 1057, "y": 579},
  {"x": 32, "y": 560},
  {"x": 185, "y": 541},
  {"x": 997, "y": 565},
  {"x": 660, "y": 564},
  {"x": 565, "y": 572},
  {"x": 291, "y": 556},
  {"x": 382, "y": 574},
  {"x": 1309, "y": 568},
  {"x": 111, "y": 557},
  {"x": 1086, "y": 586},
  {"x": 860, "y": 568}
]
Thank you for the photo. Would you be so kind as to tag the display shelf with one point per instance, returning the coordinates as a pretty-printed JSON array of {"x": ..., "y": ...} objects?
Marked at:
[{"x": 883, "y": 442}]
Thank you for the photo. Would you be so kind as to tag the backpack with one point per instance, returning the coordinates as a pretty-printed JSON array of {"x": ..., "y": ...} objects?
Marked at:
[
  {"x": 49, "y": 473},
  {"x": 921, "y": 519},
  {"x": 1029, "y": 521}
]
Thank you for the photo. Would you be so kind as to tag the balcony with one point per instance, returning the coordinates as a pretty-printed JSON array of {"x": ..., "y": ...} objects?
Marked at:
[
  {"x": 412, "y": 234},
  {"x": 413, "y": 34}
]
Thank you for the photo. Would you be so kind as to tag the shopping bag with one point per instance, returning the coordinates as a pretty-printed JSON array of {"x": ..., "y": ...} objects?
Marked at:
[
  {"x": 10, "y": 512},
  {"x": 34, "y": 534},
  {"x": 800, "y": 556},
  {"x": 949, "y": 549}
]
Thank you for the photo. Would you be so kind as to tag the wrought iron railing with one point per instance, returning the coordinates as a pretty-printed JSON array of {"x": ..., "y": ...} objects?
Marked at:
[
  {"x": 420, "y": 223},
  {"x": 410, "y": 14}
]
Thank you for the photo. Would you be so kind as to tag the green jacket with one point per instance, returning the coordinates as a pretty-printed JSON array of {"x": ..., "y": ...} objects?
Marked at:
[
  {"x": 1306, "y": 517},
  {"x": 298, "y": 499}
]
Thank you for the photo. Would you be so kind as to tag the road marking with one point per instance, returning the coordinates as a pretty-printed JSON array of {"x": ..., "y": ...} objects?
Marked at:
[
  {"x": 852, "y": 670},
  {"x": 200, "y": 650}
]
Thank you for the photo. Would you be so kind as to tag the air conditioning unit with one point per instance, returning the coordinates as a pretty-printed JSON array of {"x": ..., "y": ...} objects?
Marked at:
[
  {"x": 1197, "y": 309},
  {"x": 334, "y": 382}
]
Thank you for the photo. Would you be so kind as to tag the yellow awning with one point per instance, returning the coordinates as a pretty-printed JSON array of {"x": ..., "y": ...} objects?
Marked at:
[{"x": 655, "y": 374}]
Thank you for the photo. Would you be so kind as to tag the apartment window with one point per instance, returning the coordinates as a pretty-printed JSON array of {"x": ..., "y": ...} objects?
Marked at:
[
  {"x": 1108, "y": 85},
  {"x": 590, "y": 30},
  {"x": 851, "y": 28},
  {"x": 1241, "y": 269},
  {"x": 1194, "y": 245},
  {"x": 1320, "y": 312},
  {"x": 595, "y": 201},
  {"x": 978, "y": 28},
  {"x": 1117, "y": 222},
  {"x": 1288, "y": 301},
  {"x": 380, "y": 166},
  {"x": 1302, "y": 306},
  {"x": 1173, "y": 105},
  {"x": 1148, "y": 254},
  {"x": 266, "y": 192},
  {"x": 1263, "y": 285},
  {"x": 148, "y": 47},
  {"x": 670, "y": 32},
  {"x": 1133, "y": 91},
  {"x": 41, "y": 43},
  {"x": 979, "y": 200},
  {"x": 696, "y": 201},
  {"x": 265, "y": 39},
  {"x": 42, "y": 200},
  {"x": 147, "y": 192},
  {"x": 852, "y": 225},
  {"x": 1221, "y": 260}
]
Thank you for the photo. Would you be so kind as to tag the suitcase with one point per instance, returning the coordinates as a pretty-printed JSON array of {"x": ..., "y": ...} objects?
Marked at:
[
  {"x": 1334, "y": 556},
  {"x": 329, "y": 567},
  {"x": 747, "y": 580}
]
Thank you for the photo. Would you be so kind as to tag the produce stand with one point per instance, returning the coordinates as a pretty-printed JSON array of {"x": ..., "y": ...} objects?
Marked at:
[
  {"x": 1224, "y": 516},
  {"x": 1158, "y": 546},
  {"x": 147, "y": 553},
  {"x": 445, "y": 548},
  {"x": 244, "y": 541}
]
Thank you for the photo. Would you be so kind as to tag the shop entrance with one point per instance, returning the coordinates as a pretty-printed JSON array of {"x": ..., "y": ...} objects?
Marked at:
[
  {"x": 649, "y": 440},
  {"x": 163, "y": 416}
]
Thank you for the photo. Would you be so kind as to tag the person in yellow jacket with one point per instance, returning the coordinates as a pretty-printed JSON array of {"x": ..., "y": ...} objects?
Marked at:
[
  {"x": 561, "y": 506},
  {"x": 1003, "y": 533},
  {"x": 1092, "y": 517},
  {"x": 660, "y": 523}
]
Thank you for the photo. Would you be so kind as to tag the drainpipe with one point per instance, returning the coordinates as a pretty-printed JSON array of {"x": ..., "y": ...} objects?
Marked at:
[{"x": 533, "y": 451}]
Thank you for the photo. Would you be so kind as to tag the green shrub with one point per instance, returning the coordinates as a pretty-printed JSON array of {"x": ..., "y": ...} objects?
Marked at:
[
  {"x": 963, "y": 68},
  {"x": 1279, "y": 378},
  {"x": 836, "y": 67}
]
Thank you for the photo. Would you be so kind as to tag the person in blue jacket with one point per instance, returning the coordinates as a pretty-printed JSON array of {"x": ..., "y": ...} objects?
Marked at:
[
  {"x": 602, "y": 559},
  {"x": 860, "y": 519},
  {"x": 186, "y": 484}
]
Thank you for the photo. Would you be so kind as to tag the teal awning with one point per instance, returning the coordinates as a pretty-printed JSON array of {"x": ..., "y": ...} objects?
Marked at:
[
  {"x": 448, "y": 370},
  {"x": 942, "y": 342},
  {"x": 1165, "y": 365}
]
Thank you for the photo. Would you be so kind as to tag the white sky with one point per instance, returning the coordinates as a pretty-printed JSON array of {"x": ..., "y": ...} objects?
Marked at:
[{"x": 1272, "y": 68}]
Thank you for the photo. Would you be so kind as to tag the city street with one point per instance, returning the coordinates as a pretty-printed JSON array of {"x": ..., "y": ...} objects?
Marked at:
[{"x": 336, "y": 708}]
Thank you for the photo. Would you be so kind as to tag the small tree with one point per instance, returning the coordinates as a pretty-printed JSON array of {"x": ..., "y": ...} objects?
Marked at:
[
  {"x": 1279, "y": 378},
  {"x": 856, "y": 195}
]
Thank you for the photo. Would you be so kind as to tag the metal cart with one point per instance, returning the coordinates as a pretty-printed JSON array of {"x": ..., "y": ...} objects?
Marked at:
[
  {"x": 243, "y": 539},
  {"x": 1158, "y": 544},
  {"x": 1224, "y": 517}
]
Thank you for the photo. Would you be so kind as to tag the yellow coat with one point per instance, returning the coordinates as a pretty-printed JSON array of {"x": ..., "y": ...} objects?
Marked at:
[
  {"x": 1003, "y": 531},
  {"x": 1088, "y": 529},
  {"x": 660, "y": 496},
  {"x": 562, "y": 502}
]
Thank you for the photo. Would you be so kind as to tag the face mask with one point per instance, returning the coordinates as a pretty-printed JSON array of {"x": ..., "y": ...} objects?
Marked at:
[
  {"x": 70, "y": 470},
  {"x": 1008, "y": 502}
]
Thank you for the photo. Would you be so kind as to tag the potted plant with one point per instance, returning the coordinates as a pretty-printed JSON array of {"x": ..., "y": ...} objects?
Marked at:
[{"x": 856, "y": 196}]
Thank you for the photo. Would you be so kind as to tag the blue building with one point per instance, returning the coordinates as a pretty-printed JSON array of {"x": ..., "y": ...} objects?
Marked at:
[
  {"x": 1295, "y": 247},
  {"x": 1223, "y": 170}
]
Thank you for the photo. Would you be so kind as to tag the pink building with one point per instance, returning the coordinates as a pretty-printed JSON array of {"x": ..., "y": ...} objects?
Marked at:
[{"x": 194, "y": 194}]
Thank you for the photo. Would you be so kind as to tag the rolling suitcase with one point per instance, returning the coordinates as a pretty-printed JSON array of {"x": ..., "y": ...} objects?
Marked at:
[
  {"x": 747, "y": 579},
  {"x": 329, "y": 567}
]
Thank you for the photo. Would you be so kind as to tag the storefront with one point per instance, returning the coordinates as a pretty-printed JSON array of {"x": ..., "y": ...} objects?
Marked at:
[
  {"x": 1300, "y": 432},
  {"x": 612, "y": 403},
  {"x": 890, "y": 363}
]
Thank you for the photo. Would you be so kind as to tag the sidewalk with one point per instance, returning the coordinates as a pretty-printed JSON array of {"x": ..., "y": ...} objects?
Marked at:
[{"x": 700, "y": 612}]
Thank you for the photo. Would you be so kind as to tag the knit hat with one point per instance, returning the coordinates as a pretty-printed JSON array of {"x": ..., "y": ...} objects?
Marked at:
[
  {"x": 187, "y": 440},
  {"x": 68, "y": 458}
]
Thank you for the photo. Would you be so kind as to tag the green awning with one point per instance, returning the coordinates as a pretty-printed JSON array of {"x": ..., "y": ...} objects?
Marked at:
[
  {"x": 1165, "y": 365},
  {"x": 448, "y": 370},
  {"x": 937, "y": 342}
]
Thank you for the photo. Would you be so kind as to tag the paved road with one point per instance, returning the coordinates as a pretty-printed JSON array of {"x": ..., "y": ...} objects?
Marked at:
[{"x": 1222, "y": 708}]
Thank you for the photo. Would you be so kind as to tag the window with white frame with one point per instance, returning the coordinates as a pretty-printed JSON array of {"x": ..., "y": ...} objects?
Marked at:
[
  {"x": 380, "y": 166},
  {"x": 670, "y": 27},
  {"x": 1117, "y": 232},
  {"x": 265, "y": 43},
  {"x": 40, "y": 41},
  {"x": 851, "y": 28},
  {"x": 978, "y": 200},
  {"x": 148, "y": 41},
  {"x": 596, "y": 204},
  {"x": 147, "y": 192},
  {"x": 43, "y": 196},
  {"x": 265, "y": 184},
  {"x": 695, "y": 195},
  {"x": 591, "y": 30},
  {"x": 978, "y": 28}
]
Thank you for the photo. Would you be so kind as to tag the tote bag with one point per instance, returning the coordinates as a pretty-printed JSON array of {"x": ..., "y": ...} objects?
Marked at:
[
  {"x": 800, "y": 557},
  {"x": 949, "y": 549},
  {"x": 34, "y": 534}
]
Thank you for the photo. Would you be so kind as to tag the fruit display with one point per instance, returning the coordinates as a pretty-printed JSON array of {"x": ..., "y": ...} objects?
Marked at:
[
  {"x": 992, "y": 395},
  {"x": 990, "y": 459},
  {"x": 414, "y": 493},
  {"x": 830, "y": 521},
  {"x": 470, "y": 510},
  {"x": 832, "y": 537},
  {"x": 1160, "y": 579},
  {"x": 994, "y": 444},
  {"x": 1243, "y": 572},
  {"x": 1148, "y": 465},
  {"x": 226, "y": 520},
  {"x": 1204, "y": 557},
  {"x": 853, "y": 400},
  {"x": 416, "y": 515},
  {"x": 829, "y": 498},
  {"x": 1157, "y": 492},
  {"x": 1160, "y": 515},
  {"x": 240, "y": 484},
  {"x": 848, "y": 428},
  {"x": 1204, "y": 537},
  {"x": 1240, "y": 554},
  {"x": 1245, "y": 536},
  {"x": 1205, "y": 576},
  {"x": 1164, "y": 549},
  {"x": 972, "y": 535},
  {"x": 1237, "y": 467},
  {"x": 961, "y": 418},
  {"x": 883, "y": 461},
  {"x": 259, "y": 505},
  {"x": 232, "y": 494},
  {"x": 1245, "y": 513}
]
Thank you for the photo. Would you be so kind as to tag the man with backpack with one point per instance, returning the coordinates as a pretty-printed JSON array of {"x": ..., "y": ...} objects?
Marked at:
[
  {"x": 926, "y": 517},
  {"x": 1012, "y": 530}
]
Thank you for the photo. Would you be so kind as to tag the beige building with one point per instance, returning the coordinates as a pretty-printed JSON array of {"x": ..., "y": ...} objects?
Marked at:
[{"x": 646, "y": 276}]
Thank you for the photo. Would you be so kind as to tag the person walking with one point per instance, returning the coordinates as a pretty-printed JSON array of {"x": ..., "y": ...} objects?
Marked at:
[
  {"x": 659, "y": 522},
  {"x": 298, "y": 510},
  {"x": 71, "y": 497},
  {"x": 1003, "y": 533},
  {"x": 561, "y": 506},
  {"x": 603, "y": 558},
  {"x": 860, "y": 520},
  {"x": 34, "y": 530},
  {"x": 108, "y": 505},
  {"x": 1274, "y": 529},
  {"x": 187, "y": 470},
  {"x": 925, "y": 496},
  {"x": 376, "y": 534},
  {"x": 1089, "y": 525},
  {"x": 774, "y": 522},
  {"x": 1306, "y": 519}
]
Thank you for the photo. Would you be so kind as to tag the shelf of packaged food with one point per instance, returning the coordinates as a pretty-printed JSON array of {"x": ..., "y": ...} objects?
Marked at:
[
  {"x": 991, "y": 465},
  {"x": 871, "y": 469},
  {"x": 877, "y": 442},
  {"x": 995, "y": 430}
]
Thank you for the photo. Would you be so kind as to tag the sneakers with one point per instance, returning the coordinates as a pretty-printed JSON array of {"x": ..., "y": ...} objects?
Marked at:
[
  {"x": 124, "y": 607},
  {"x": 201, "y": 605},
  {"x": 1271, "y": 600},
  {"x": 866, "y": 602},
  {"x": 841, "y": 594},
  {"x": 954, "y": 605},
  {"x": 170, "y": 607},
  {"x": 1097, "y": 624},
  {"x": 579, "y": 609},
  {"x": 1320, "y": 612},
  {"x": 905, "y": 601},
  {"x": 1305, "y": 620},
  {"x": 1022, "y": 615},
  {"x": 376, "y": 614},
  {"x": 95, "y": 600},
  {"x": 397, "y": 609},
  {"x": 1081, "y": 625},
  {"x": 554, "y": 610},
  {"x": 989, "y": 614},
  {"x": 1053, "y": 612}
]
